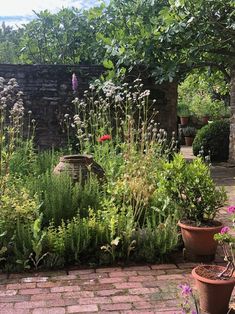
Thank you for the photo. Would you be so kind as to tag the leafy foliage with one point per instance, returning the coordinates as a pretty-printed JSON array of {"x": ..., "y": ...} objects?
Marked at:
[
  {"x": 61, "y": 199},
  {"x": 204, "y": 94},
  {"x": 191, "y": 187},
  {"x": 130, "y": 216},
  {"x": 157, "y": 239},
  {"x": 16, "y": 205},
  {"x": 68, "y": 37},
  {"x": 9, "y": 44},
  {"x": 213, "y": 140},
  {"x": 163, "y": 39},
  {"x": 202, "y": 33},
  {"x": 189, "y": 131}
]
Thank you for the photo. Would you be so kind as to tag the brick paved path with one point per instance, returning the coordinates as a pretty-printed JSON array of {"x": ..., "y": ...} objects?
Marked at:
[{"x": 140, "y": 289}]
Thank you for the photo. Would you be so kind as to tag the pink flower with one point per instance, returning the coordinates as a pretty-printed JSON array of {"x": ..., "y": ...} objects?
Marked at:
[
  {"x": 186, "y": 290},
  {"x": 74, "y": 82},
  {"x": 224, "y": 230},
  {"x": 104, "y": 138},
  {"x": 231, "y": 209}
]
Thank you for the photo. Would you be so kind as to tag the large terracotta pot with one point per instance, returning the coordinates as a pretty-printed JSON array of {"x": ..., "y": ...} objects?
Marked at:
[
  {"x": 214, "y": 294},
  {"x": 188, "y": 140},
  {"x": 199, "y": 241},
  {"x": 184, "y": 120},
  {"x": 79, "y": 167}
]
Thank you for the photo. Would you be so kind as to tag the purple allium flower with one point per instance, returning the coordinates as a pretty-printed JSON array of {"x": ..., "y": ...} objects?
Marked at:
[
  {"x": 186, "y": 290},
  {"x": 224, "y": 230},
  {"x": 74, "y": 82},
  {"x": 231, "y": 209}
]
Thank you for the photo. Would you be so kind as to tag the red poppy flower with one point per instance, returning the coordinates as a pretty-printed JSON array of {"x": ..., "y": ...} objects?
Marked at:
[{"x": 104, "y": 138}]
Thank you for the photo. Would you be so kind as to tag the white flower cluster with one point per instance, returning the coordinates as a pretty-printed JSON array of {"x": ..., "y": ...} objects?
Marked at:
[
  {"x": 11, "y": 97},
  {"x": 109, "y": 88},
  {"x": 18, "y": 109}
]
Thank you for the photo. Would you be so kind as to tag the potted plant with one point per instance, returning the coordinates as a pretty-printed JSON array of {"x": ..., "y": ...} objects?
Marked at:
[
  {"x": 183, "y": 112},
  {"x": 215, "y": 283},
  {"x": 189, "y": 133},
  {"x": 201, "y": 106},
  {"x": 199, "y": 200}
]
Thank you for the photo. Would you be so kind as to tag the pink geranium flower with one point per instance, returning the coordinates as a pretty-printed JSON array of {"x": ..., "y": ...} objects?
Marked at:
[
  {"x": 231, "y": 209},
  {"x": 224, "y": 230}
]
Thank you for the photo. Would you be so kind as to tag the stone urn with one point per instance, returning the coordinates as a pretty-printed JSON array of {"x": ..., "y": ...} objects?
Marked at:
[{"x": 79, "y": 167}]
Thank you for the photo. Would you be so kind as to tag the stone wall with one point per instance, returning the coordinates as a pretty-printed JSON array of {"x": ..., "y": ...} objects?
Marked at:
[{"x": 48, "y": 94}]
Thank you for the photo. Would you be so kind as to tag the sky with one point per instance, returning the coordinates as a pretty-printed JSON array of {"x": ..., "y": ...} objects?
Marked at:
[{"x": 21, "y": 11}]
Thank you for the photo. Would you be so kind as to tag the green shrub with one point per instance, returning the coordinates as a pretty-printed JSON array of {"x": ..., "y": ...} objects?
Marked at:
[
  {"x": 62, "y": 199},
  {"x": 46, "y": 161},
  {"x": 213, "y": 140},
  {"x": 70, "y": 240},
  {"x": 156, "y": 240},
  {"x": 16, "y": 204},
  {"x": 23, "y": 159},
  {"x": 190, "y": 186}
]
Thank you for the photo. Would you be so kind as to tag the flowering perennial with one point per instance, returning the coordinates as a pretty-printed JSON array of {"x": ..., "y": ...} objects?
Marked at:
[
  {"x": 74, "y": 82},
  {"x": 105, "y": 137},
  {"x": 189, "y": 300},
  {"x": 227, "y": 242}
]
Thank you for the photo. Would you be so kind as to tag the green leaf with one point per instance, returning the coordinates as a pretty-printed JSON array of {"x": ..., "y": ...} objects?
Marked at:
[{"x": 108, "y": 64}]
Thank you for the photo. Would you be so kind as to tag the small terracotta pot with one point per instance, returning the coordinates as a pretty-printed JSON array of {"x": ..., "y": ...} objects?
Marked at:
[
  {"x": 184, "y": 120},
  {"x": 205, "y": 120},
  {"x": 214, "y": 294},
  {"x": 199, "y": 241},
  {"x": 188, "y": 140}
]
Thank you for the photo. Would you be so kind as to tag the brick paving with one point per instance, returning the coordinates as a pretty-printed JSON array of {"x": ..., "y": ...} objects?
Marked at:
[{"x": 118, "y": 290}]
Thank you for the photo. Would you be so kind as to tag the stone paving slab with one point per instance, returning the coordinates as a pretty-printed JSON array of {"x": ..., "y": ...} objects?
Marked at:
[{"x": 148, "y": 289}]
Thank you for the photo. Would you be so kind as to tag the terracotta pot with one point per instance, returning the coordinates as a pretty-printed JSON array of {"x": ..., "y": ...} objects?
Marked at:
[
  {"x": 184, "y": 120},
  {"x": 214, "y": 294},
  {"x": 199, "y": 241},
  {"x": 188, "y": 140},
  {"x": 205, "y": 120},
  {"x": 79, "y": 167}
]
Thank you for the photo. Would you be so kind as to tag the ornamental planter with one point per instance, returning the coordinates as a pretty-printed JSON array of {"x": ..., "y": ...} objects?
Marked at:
[
  {"x": 188, "y": 140},
  {"x": 184, "y": 120},
  {"x": 214, "y": 293},
  {"x": 199, "y": 241},
  {"x": 79, "y": 167}
]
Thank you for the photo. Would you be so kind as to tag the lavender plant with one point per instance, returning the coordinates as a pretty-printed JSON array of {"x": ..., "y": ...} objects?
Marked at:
[{"x": 189, "y": 304}]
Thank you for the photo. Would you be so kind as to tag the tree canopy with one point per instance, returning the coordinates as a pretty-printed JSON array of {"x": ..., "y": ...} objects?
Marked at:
[
  {"x": 202, "y": 33},
  {"x": 9, "y": 44},
  {"x": 165, "y": 38}
]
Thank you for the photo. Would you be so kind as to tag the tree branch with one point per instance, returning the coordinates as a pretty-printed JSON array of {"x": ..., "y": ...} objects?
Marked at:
[{"x": 208, "y": 64}]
